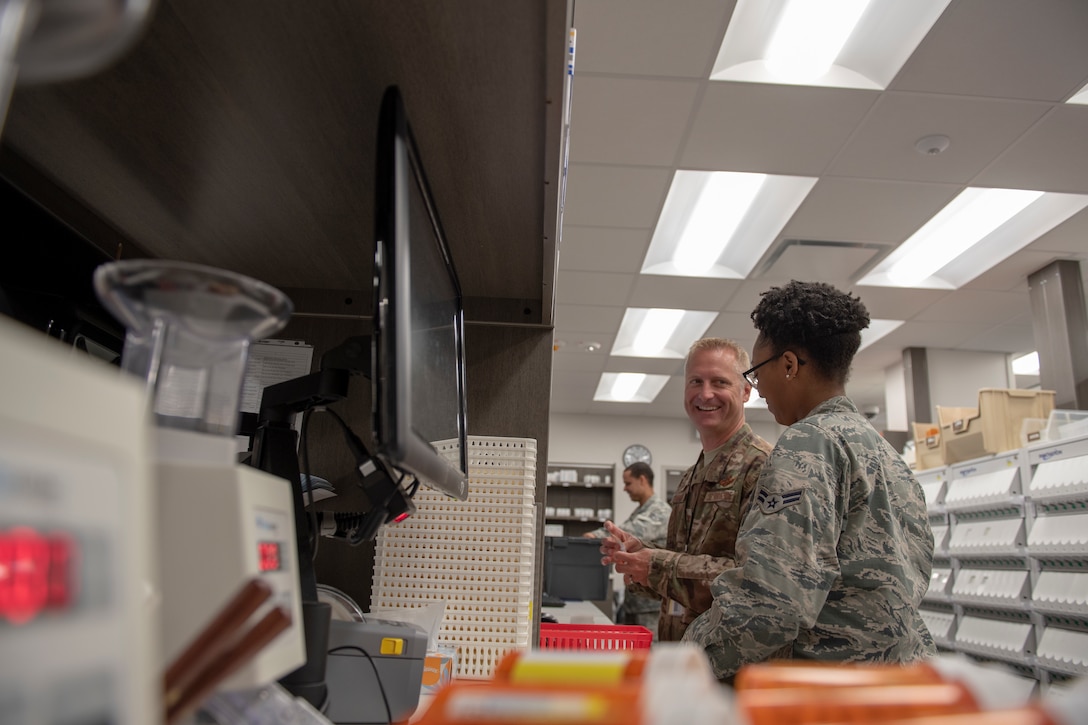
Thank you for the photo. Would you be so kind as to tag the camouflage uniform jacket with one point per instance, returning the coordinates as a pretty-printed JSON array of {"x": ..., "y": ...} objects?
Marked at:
[
  {"x": 648, "y": 523},
  {"x": 833, "y": 558},
  {"x": 706, "y": 514}
]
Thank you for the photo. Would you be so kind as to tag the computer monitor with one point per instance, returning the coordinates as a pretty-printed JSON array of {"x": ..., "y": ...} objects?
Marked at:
[{"x": 418, "y": 366}]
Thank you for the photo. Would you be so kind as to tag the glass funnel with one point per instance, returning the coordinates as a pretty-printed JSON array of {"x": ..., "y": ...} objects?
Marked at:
[{"x": 188, "y": 331}]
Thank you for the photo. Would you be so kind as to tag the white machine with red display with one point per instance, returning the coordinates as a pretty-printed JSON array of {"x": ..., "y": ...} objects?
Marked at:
[
  {"x": 78, "y": 559},
  {"x": 222, "y": 524}
]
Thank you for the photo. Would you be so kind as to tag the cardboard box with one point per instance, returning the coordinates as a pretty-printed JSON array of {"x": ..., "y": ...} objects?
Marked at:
[
  {"x": 927, "y": 446},
  {"x": 994, "y": 426}
]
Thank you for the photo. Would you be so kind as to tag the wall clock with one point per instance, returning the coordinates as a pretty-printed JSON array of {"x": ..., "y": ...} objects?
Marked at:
[{"x": 635, "y": 453}]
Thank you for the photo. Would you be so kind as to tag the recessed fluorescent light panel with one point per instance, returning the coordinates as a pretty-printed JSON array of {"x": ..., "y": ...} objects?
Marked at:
[
  {"x": 840, "y": 43},
  {"x": 660, "y": 332},
  {"x": 629, "y": 387},
  {"x": 1081, "y": 96},
  {"x": 977, "y": 230},
  {"x": 719, "y": 223}
]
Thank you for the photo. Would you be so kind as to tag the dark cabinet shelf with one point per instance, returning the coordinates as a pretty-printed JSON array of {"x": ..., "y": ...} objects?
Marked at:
[{"x": 579, "y": 497}]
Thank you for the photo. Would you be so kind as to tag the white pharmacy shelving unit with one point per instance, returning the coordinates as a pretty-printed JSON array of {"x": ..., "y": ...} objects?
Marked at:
[{"x": 1010, "y": 568}]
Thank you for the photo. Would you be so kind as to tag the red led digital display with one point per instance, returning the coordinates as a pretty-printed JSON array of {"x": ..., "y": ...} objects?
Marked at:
[
  {"x": 268, "y": 556},
  {"x": 37, "y": 573}
]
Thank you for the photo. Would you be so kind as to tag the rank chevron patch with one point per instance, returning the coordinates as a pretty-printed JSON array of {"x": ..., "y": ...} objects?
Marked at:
[{"x": 770, "y": 503}]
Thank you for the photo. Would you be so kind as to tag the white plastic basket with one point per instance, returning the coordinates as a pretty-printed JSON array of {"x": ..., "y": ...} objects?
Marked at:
[{"x": 475, "y": 555}]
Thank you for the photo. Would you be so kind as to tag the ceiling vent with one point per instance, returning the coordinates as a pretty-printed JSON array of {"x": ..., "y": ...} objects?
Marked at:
[{"x": 805, "y": 259}]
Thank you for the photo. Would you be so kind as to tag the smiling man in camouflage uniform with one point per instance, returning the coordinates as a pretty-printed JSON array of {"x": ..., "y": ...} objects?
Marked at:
[{"x": 712, "y": 497}]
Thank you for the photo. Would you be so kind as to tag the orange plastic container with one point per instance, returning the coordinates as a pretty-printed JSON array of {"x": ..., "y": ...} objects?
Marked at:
[
  {"x": 585, "y": 689},
  {"x": 793, "y": 673},
  {"x": 870, "y": 704},
  {"x": 594, "y": 636}
]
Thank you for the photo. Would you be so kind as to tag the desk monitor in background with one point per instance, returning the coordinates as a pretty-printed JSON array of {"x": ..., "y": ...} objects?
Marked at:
[{"x": 573, "y": 569}]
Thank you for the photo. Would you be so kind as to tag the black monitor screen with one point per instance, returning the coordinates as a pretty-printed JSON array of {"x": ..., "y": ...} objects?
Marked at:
[{"x": 419, "y": 358}]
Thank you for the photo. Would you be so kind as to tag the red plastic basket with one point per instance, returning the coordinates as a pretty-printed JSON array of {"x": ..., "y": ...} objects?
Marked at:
[{"x": 594, "y": 636}]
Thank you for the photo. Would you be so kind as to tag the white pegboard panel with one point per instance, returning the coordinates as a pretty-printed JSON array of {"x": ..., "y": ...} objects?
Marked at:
[
  {"x": 1062, "y": 478},
  {"x": 986, "y": 536},
  {"x": 939, "y": 624},
  {"x": 1064, "y": 649},
  {"x": 991, "y": 586},
  {"x": 1059, "y": 533},
  {"x": 982, "y": 489},
  {"x": 994, "y": 636},
  {"x": 1061, "y": 591},
  {"x": 477, "y": 555}
]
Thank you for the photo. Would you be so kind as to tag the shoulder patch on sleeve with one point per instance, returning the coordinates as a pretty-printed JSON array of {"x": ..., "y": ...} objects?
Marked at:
[{"x": 770, "y": 503}]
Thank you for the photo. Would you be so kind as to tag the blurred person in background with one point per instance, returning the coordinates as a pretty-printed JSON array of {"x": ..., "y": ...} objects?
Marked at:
[{"x": 648, "y": 522}]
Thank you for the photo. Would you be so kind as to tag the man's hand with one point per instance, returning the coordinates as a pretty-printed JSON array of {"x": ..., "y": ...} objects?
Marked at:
[
  {"x": 626, "y": 553},
  {"x": 617, "y": 540}
]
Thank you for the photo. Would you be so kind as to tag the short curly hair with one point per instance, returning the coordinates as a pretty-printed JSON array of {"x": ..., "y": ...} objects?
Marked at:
[{"x": 816, "y": 317}]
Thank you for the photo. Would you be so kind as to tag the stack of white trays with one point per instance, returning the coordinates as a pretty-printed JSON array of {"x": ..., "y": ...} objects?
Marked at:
[{"x": 476, "y": 555}]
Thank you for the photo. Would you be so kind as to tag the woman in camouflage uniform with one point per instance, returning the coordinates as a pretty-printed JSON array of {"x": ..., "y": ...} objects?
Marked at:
[{"x": 835, "y": 553}]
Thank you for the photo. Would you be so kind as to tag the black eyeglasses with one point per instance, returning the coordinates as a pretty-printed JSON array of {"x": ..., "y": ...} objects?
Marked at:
[{"x": 750, "y": 376}]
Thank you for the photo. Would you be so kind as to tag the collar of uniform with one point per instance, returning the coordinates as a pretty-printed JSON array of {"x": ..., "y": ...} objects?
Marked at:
[{"x": 717, "y": 461}]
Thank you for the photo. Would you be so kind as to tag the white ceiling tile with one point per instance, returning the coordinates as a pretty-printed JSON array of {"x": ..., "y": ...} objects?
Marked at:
[
  {"x": 648, "y": 365},
  {"x": 615, "y": 196},
  {"x": 603, "y": 249},
  {"x": 867, "y": 210},
  {"x": 573, "y": 386},
  {"x": 1012, "y": 274},
  {"x": 630, "y": 121},
  {"x": 685, "y": 293},
  {"x": 736, "y": 326},
  {"x": 1033, "y": 49},
  {"x": 570, "y": 359},
  {"x": 939, "y": 335},
  {"x": 874, "y": 360},
  {"x": 1002, "y": 338},
  {"x": 793, "y": 130},
  {"x": 748, "y": 294},
  {"x": 649, "y": 37},
  {"x": 979, "y": 130},
  {"x": 896, "y": 303},
  {"x": 593, "y": 288},
  {"x": 588, "y": 318},
  {"x": 985, "y": 308},
  {"x": 1069, "y": 238},
  {"x": 1052, "y": 156}
]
